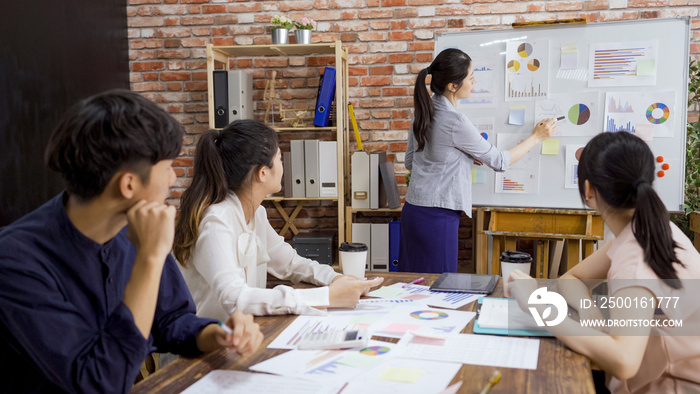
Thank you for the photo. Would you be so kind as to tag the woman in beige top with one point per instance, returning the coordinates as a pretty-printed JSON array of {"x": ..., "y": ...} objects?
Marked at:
[{"x": 652, "y": 271}]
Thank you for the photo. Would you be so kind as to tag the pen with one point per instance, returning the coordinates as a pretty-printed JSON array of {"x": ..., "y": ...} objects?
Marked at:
[
  {"x": 415, "y": 282},
  {"x": 226, "y": 328},
  {"x": 560, "y": 118},
  {"x": 495, "y": 377}
]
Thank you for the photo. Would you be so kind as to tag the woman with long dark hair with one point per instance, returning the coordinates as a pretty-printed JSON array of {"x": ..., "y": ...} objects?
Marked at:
[
  {"x": 225, "y": 244},
  {"x": 443, "y": 146},
  {"x": 650, "y": 267}
]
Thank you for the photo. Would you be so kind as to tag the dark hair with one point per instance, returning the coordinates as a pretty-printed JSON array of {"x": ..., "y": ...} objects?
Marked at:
[
  {"x": 621, "y": 169},
  {"x": 450, "y": 66},
  {"x": 224, "y": 161},
  {"x": 110, "y": 132}
]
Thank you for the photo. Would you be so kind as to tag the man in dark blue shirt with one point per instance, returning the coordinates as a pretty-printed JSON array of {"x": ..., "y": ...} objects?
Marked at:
[{"x": 87, "y": 284}]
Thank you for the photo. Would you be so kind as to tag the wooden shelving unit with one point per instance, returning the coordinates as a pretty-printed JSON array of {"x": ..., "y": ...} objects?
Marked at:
[{"x": 222, "y": 54}]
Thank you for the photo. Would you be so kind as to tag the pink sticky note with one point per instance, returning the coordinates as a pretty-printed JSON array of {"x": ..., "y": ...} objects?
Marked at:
[
  {"x": 400, "y": 328},
  {"x": 644, "y": 131}
]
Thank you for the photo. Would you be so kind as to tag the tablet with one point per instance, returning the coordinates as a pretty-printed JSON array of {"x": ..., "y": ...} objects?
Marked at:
[{"x": 465, "y": 283}]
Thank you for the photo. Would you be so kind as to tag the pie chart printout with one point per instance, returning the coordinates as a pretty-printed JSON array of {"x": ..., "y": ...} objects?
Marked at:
[
  {"x": 533, "y": 65},
  {"x": 513, "y": 66},
  {"x": 579, "y": 114},
  {"x": 524, "y": 49},
  {"x": 658, "y": 113}
]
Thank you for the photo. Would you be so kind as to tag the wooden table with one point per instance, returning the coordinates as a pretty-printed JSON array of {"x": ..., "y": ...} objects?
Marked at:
[{"x": 560, "y": 370}]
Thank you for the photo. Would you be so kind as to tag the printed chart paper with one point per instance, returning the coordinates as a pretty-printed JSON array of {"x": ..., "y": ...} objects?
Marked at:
[
  {"x": 483, "y": 93},
  {"x": 364, "y": 315},
  {"x": 580, "y": 111},
  {"x": 573, "y": 153},
  {"x": 404, "y": 376},
  {"x": 616, "y": 64},
  {"x": 423, "y": 319},
  {"x": 422, "y": 294},
  {"x": 490, "y": 350},
  {"x": 526, "y": 76},
  {"x": 633, "y": 112},
  {"x": 484, "y": 126},
  {"x": 221, "y": 381},
  {"x": 523, "y": 176},
  {"x": 328, "y": 366}
]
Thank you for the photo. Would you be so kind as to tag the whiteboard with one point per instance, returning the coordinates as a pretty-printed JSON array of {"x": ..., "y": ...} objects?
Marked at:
[{"x": 648, "y": 95}]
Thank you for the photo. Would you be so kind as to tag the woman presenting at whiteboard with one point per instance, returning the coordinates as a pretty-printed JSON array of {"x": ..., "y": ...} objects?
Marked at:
[{"x": 443, "y": 146}]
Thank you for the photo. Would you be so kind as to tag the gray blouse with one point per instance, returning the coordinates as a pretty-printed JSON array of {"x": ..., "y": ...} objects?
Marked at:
[{"x": 442, "y": 173}]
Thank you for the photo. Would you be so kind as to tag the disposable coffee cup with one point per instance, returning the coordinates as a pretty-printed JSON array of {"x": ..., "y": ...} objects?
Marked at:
[
  {"x": 353, "y": 257},
  {"x": 512, "y": 260}
]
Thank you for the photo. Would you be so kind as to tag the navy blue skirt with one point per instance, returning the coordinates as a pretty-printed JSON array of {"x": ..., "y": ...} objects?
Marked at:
[{"x": 429, "y": 239}]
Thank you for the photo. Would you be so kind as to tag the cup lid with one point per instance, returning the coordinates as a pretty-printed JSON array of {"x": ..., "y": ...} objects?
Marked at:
[
  {"x": 512, "y": 256},
  {"x": 352, "y": 247}
]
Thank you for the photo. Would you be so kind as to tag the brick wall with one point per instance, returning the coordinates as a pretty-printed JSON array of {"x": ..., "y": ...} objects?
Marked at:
[{"x": 389, "y": 41}]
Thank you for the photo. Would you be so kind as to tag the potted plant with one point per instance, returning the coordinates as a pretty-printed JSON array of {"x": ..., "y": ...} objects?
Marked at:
[
  {"x": 280, "y": 29},
  {"x": 304, "y": 26}
]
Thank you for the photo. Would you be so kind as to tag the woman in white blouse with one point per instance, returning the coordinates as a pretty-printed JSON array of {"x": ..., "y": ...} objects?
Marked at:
[{"x": 225, "y": 244}]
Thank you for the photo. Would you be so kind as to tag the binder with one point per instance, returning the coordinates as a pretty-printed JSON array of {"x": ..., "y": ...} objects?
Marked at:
[
  {"x": 298, "y": 178},
  {"x": 386, "y": 171},
  {"x": 328, "y": 168},
  {"x": 361, "y": 232},
  {"x": 240, "y": 95},
  {"x": 381, "y": 191},
  {"x": 373, "y": 181},
  {"x": 380, "y": 247},
  {"x": 325, "y": 98},
  {"x": 311, "y": 168},
  {"x": 287, "y": 177},
  {"x": 360, "y": 179},
  {"x": 220, "y": 81},
  {"x": 394, "y": 241}
]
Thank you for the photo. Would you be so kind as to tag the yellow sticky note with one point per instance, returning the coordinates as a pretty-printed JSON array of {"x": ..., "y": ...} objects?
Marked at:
[
  {"x": 473, "y": 174},
  {"x": 405, "y": 375},
  {"x": 550, "y": 147},
  {"x": 646, "y": 67}
]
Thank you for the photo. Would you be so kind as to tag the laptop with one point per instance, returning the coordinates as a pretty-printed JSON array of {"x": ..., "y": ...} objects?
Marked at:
[{"x": 465, "y": 283}]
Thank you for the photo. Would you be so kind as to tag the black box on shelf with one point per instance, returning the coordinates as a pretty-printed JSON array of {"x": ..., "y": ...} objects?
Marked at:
[{"x": 315, "y": 246}]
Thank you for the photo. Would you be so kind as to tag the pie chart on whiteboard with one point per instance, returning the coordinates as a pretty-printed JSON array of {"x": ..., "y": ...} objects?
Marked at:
[{"x": 579, "y": 114}]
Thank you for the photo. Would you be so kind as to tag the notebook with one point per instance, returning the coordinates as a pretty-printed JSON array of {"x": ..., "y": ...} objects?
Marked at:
[
  {"x": 465, "y": 283},
  {"x": 503, "y": 316}
]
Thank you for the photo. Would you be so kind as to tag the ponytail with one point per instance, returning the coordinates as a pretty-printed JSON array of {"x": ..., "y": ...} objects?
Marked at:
[
  {"x": 620, "y": 168},
  {"x": 653, "y": 232},
  {"x": 449, "y": 66},
  {"x": 424, "y": 110},
  {"x": 208, "y": 187}
]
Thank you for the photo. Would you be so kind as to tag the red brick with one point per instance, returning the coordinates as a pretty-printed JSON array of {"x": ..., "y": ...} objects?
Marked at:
[
  {"x": 357, "y": 70},
  {"x": 618, "y": 15},
  {"x": 400, "y": 124},
  {"x": 453, "y": 10},
  {"x": 421, "y": 46},
  {"x": 173, "y": 86},
  {"x": 393, "y": 3},
  {"x": 406, "y": 13},
  {"x": 214, "y": 9},
  {"x": 401, "y": 36},
  {"x": 424, "y": 57},
  {"x": 224, "y": 41},
  {"x": 424, "y": 2},
  {"x": 245, "y": 7},
  {"x": 399, "y": 25},
  {"x": 381, "y": 70},
  {"x": 376, "y": 14},
  {"x": 204, "y": 20},
  {"x": 175, "y": 76},
  {"x": 383, "y": 114},
  {"x": 401, "y": 58},
  {"x": 646, "y": 3},
  {"x": 270, "y": 62},
  {"x": 375, "y": 81},
  {"x": 372, "y": 36},
  {"x": 596, "y": 5},
  {"x": 395, "y": 91},
  {"x": 147, "y": 66},
  {"x": 452, "y": 23}
]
